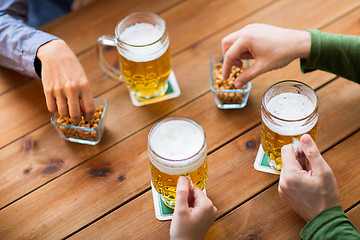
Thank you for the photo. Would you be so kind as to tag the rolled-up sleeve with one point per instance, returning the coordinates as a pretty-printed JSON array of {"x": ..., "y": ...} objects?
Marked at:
[{"x": 18, "y": 41}]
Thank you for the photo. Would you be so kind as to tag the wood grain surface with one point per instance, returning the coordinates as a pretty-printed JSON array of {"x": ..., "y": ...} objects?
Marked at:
[{"x": 53, "y": 189}]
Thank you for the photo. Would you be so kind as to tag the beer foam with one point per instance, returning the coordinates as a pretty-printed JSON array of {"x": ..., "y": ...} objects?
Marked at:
[
  {"x": 290, "y": 106},
  {"x": 141, "y": 34},
  {"x": 177, "y": 141}
]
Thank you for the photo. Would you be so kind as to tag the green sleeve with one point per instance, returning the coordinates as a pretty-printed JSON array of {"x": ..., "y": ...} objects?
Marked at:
[
  {"x": 332, "y": 223},
  {"x": 335, "y": 53}
]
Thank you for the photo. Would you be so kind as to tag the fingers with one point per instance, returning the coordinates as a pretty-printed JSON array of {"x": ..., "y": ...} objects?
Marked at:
[
  {"x": 74, "y": 109},
  {"x": 312, "y": 152},
  {"x": 87, "y": 104},
  {"x": 247, "y": 75},
  {"x": 62, "y": 107},
  {"x": 182, "y": 194},
  {"x": 203, "y": 202},
  {"x": 289, "y": 161},
  {"x": 231, "y": 55},
  {"x": 50, "y": 101}
]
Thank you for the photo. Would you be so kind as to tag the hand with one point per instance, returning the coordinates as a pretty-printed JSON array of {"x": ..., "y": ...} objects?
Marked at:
[
  {"x": 310, "y": 191},
  {"x": 271, "y": 47},
  {"x": 66, "y": 87},
  {"x": 77, "y": 4},
  {"x": 194, "y": 212}
]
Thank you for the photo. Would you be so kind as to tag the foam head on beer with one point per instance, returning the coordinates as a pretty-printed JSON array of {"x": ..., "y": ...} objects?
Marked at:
[
  {"x": 291, "y": 107},
  {"x": 176, "y": 143},
  {"x": 142, "y": 34}
]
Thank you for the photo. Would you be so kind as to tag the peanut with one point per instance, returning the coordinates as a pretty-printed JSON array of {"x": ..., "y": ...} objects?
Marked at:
[
  {"x": 77, "y": 133},
  {"x": 228, "y": 84}
]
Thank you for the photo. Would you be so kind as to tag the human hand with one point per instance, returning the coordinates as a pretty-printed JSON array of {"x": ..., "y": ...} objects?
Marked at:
[
  {"x": 194, "y": 212},
  {"x": 77, "y": 4},
  {"x": 271, "y": 47},
  {"x": 66, "y": 87},
  {"x": 308, "y": 192}
]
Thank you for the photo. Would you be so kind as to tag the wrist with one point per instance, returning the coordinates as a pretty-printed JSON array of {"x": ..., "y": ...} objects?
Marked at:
[
  {"x": 302, "y": 44},
  {"x": 49, "y": 48}
]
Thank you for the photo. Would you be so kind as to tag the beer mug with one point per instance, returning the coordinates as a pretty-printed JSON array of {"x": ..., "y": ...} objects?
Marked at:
[
  {"x": 289, "y": 109},
  {"x": 144, "y": 61},
  {"x": 177, "y": 147}
]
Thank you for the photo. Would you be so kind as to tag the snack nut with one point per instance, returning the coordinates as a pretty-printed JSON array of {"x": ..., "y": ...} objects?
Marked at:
[
  {"x": 79, "y": 133},
  {"x": 220, "y": 84}
]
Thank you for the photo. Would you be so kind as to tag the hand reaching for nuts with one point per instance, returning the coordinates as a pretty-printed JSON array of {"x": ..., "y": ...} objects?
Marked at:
[{"x": 79, "y": 133}]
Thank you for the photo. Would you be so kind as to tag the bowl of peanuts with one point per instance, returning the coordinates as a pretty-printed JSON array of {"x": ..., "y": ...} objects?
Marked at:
[
  {"x": 226, "y": 95},
  {"x": 84, "y": 132}
]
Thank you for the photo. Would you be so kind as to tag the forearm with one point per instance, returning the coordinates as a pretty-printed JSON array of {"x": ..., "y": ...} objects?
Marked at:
[
  {"x": 335, "y": 53},
  {"x": 332, "y": 223},
  {"x": 19, "y": 42}
]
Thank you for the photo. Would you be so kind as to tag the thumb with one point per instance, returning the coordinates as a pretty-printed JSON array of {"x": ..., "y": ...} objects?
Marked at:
[
  {"x": 182, "y": 194},
  {"x": 312, "y": 152}
]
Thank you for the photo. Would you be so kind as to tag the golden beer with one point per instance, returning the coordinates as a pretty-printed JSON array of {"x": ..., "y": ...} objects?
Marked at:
[
  {"x": 147, "y": 79},
  {"x": 289, "y": 109},
  {"x": 177, "y": 147},
  {"x": 144, "y": 61}
]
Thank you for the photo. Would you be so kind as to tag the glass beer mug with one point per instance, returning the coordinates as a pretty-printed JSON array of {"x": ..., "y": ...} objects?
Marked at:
[
  {"x": 177, "y": 147},
  {"x": 144, "y": 62},
  {"x": 289, "y": 109}
]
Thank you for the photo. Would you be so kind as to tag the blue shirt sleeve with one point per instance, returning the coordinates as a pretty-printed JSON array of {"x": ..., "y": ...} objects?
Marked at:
[{"x": 18, "y": 41}]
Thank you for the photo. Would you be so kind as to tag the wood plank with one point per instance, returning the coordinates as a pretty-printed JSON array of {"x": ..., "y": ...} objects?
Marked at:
[
  {"x": 354, "y": 216},
  {"x": 349, "y": 24},
  {"x": 118, "y": 166},
  {"x": 256, "y": 217},
  {"x": 180, "y": 18},
  {"x": 10, "y": 79},
  {"x": 227, "y": 165},
  {"x": 132, "y": 118},
  {"x": 81, "y": 29}
]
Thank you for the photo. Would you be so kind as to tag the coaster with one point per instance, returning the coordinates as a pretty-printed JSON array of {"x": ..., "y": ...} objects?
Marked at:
[
  {"x": 173, "y": 91},
  {"x": 261, "y": 163},
  {"x": 162, "y": 212}
]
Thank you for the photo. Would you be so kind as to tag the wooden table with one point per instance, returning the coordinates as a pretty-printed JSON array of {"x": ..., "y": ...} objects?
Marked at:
[{"x": 53, "y": 189}]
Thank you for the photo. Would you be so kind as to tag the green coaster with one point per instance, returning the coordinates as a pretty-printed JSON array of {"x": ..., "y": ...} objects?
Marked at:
[
  {"x": 162, "y": 212},
  {"x": 261, "y": 162},
  {"x": 173, "y": 91}
]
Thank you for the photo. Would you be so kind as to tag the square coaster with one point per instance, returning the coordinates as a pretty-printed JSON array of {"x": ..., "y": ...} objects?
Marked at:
[
  {"x": 173, "y": 91},
  {"x": 261, "y": 162},
  {"x": 162, "y": 212}
]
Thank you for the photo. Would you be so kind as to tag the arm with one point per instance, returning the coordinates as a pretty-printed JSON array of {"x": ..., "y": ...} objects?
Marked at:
[
  {"x": 19, "y": 42},
  {"x": 39, "y": 54},
  {"x": 335, "y": 53},
  {"x": 331, "y": 223}
]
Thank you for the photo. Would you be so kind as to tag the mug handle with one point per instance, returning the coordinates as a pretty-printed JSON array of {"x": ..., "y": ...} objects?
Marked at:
[{"x": 103, "y": 44}]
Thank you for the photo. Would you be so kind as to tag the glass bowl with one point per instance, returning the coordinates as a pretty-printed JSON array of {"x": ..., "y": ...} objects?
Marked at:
[
  {"x": 228, "y": 98},
  {"x": 86, "y": 132}
]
